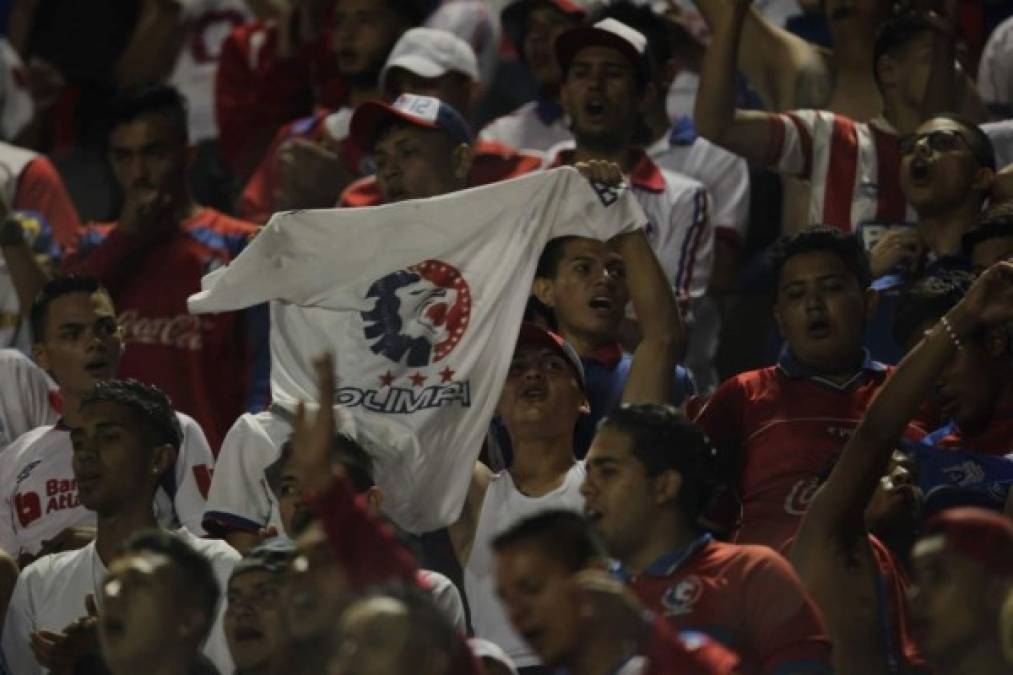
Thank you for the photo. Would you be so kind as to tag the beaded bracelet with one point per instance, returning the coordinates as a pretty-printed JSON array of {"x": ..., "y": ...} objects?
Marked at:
[{"x": 952, "y": 333}]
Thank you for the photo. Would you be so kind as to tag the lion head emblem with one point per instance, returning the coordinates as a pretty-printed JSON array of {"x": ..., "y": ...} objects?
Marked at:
[{"x": 420, "y": 313}]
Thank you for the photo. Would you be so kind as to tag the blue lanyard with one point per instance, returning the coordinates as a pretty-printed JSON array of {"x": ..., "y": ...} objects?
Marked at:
[{"x": 939, "y": 434}]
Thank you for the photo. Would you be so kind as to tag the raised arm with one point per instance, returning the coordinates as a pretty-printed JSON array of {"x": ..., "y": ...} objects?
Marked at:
[
  {"x": 774, "y": 60},
  {"x": 838, "y": 507},
  {"x": 746, "y": 133}
]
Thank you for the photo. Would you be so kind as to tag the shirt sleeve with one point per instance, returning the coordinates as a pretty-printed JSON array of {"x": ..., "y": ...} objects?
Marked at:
[
  {"x": 194, "y": 468},
  {"x": 727, "y": 180},
  {"x": 41, "y": 189},
  {"x": 792, "y": 140},
  {"x": 783, "y": 624},
  {"x": 685, "y": 248},
  {"x": 19, "y": 624},
  {"x": 24, "y": 397},
  {"x": 721, "y": 418},
  {"x": 239, "y": 497}
]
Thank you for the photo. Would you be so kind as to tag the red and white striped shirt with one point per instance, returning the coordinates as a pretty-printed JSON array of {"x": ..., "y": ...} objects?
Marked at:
[{"x": 853, "y": 167}]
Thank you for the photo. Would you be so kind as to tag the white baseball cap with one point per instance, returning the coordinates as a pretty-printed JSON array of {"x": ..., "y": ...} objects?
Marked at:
[
  {"x": 606, "y": 33},
  {"x": 430, "y": 52}
]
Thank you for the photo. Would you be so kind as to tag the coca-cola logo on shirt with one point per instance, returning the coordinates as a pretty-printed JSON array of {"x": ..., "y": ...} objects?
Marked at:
[
  {"x": 801, "y": 493},
  {"x": 183, "y": 331}
]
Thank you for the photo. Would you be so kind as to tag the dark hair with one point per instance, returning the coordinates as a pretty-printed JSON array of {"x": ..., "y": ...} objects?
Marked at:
[
  {"x": 995, "y": 223},
  {"x": 662, "y": 440},
  {"x": 415, "y": 11},
  {"x": 57, "y": 288},
  {"x": 149, "y": 99},
  {"x": 563, "y": 535},
  {"x": 895, "y": 34},
  {"x": 196, "y": 574},
  {"x": 345, "y": 451},
  {"x": 149, "y": 405},
  {"x": 844, "y": 245},
  {"x": 552, "y": 255},
  {"x": 977, "y": 140},
  {"x": 645, "y": 20},
  {"x": 927, "y": 300}
]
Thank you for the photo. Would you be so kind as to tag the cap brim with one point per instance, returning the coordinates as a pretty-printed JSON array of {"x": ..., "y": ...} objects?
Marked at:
[
  {"x": 416, "y": 65},
  {"x": 372, "y": 116},
  {"x": 575, "y": 39},
  {"x": 532, "y": 335}
]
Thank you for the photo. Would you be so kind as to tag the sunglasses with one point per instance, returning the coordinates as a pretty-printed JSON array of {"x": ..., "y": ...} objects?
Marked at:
[{"x": 944, "y": 140}]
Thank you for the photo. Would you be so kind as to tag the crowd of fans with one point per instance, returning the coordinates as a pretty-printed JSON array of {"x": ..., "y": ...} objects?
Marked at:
[{"x": 315, "y": 357}]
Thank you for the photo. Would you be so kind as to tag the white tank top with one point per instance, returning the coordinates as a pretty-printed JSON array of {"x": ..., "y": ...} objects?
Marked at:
[{"x": 504, "y": 505}]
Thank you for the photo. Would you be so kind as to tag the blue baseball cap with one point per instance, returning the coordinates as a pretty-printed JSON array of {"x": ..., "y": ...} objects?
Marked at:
[{"x": 421, "y": 111}]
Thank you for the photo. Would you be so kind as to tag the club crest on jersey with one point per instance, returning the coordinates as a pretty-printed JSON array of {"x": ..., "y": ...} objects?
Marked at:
[
  {"x": 682, "y": 598},
  {"x": 801, "y": 493},
  {"x": 606, "y": 193},
  {"x": 420, "y": 313}
]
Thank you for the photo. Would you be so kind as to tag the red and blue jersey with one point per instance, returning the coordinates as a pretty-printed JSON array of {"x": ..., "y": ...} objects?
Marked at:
[
  {"x": 746, "y": 597},
  {"x": 784, "y": 426},
  {"x": 212, "y": 367}
]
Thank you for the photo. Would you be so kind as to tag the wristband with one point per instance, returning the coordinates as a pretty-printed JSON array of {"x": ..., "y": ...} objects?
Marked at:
[{"x": 952, "y": 333}]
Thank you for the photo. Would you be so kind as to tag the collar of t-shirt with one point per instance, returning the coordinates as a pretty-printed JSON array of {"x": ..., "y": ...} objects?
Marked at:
[
  {"x": 666, "y": 565},
  {"x": 789, "y": 364},
  {"x": 548, "y": 111},
  {"x": 608, "y": 356},
  {"x": 646, "y": 175}
]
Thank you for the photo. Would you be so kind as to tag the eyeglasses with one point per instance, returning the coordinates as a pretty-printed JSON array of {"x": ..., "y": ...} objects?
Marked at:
[{"x": 943, "y": 140}]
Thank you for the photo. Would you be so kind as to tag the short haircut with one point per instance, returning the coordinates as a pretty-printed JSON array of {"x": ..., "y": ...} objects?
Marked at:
[
  {"x": 978, "y": 141},
  {"x": 149, "y": 99},
  {"x": 895, "y": 34},
  {"x": 57, "y": 288},
  {"x": 196, "y": 574},
  {"x": 995, "y": 223},
  {"x": 927, "y": 300},
  {"x": 642, "y": 18},
  {"x": 552, "y": 255},
  {"x": 562, "y": 535},
  {"x": 662, "y": 440},
  {"x": 823, "y": 238},
  {"x": 149, "y": 405}
]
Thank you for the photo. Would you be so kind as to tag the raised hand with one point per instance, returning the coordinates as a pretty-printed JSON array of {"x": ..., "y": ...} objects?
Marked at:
[
  {"x": 989, "y": 302},
  {"x": 600, "y": 171},
  {"x": 898, "y": 246},
  {"x": 312, "y": 174},
  {"x": 312, "y": 439}
]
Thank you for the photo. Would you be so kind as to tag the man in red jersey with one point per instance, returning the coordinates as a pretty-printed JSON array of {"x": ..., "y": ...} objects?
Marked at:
[
  {"x": 299, "y": 159},
  {"x": 782, "y": 426},
  {"x": 650, "y": 477},
  {"x": 153, "y": 258},
  {"x": 550, "y": 577}
]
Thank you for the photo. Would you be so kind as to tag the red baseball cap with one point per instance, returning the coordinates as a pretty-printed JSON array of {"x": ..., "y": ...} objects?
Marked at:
[
  {"x": 421, "y": 111},
  {"x": 533, "y": 335}
]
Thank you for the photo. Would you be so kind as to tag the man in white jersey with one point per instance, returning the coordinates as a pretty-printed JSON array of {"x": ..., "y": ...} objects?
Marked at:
[
  {"x": 854, "y": 167},
  {"x": 533, "y": 26},
  {"x": 159, "y": 581},
  {"x": 542, "y": 399},
  {"x": 79, "y": 342},
  {"x": 607, "y": 86},
  {"x": 605, "y": 91},
  {"x": 125, "y": 441}
]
